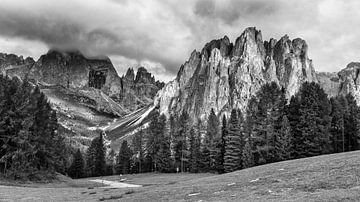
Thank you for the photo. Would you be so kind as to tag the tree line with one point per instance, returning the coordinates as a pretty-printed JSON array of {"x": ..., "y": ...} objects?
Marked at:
[{"x": 271, "y": 129}]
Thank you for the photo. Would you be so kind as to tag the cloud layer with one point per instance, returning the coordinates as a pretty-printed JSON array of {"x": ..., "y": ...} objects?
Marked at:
[{"x": 162, "y": 34}]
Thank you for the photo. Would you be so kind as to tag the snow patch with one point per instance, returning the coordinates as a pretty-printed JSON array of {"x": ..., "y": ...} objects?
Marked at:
[
  {"x": 257, "y": 179},
  {"x": 115, "y": 184},
  {"x": 144, "y": 115},
  {"x": 194, "y": 194}
]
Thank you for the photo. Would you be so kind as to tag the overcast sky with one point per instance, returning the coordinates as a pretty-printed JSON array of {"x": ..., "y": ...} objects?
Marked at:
[{"x": 160, "y": 35}]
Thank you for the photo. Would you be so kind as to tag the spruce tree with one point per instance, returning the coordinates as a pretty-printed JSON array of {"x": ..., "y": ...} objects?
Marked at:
[
  {"x": 195, "y": 154},
  {"x": 232, "y": 144},
  {"x": 266, "y": 110},
  {"x": 337, "y": 130},
  {"x": 352, "y": 124},
  {"x": 95, "y": 161},
  {"x": 123, "y": 159},
  {"x": 212, "y": 141},
  {"x": 313, "y": 123},
  {"x": 224, "y": 133},
  {"x": 76, "y": 169},
  {"x": 156, "y": 132},
  {"x": 247, "y": 155},
  {"x": 284, "y": 141},
  {"x": 164, "y": 153},
  {"x": 138, "y": 148},
  {"x": 181, "y": 152}
]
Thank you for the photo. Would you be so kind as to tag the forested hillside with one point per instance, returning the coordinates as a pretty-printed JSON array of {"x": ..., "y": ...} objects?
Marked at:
[{"x": 30, "y": 147}]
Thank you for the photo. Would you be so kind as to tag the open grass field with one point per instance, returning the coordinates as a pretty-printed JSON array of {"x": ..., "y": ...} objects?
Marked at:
[{"x": 333, "y": 177}]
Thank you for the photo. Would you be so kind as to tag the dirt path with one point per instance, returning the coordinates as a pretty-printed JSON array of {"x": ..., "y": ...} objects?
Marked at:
[{"x": 115, "y": 184}]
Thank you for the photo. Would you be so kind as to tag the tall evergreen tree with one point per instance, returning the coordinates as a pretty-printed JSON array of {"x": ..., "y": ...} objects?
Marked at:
[
  {"x": 76, "y": 169},
  {"x": 313, "y": 123},
  {"x": 266, "y": 111},
  {"x": 232, "y": 144},
  {"x": 221, "y": 146},
  {"x": 95, "y": 161},
  {"x": 212, "y": 141},
  {"x": 181, "y": 152},
  {"x": 352, "y": 124},
  {"x": 123, "y": 159},
  {"x": 195, "y": 154},
  {"x": 138, "y": 148},
  {"x": 164, "y": 153},
  {"x": 155, "y": 136},
  {"x": 283, "y": 144},
  {"x": 337, "y": 130},
  {"x": 247, "y": 155}
]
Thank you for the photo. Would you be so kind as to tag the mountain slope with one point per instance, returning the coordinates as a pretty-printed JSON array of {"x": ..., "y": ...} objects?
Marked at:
[
  {"x": 86, "y": 92},
  {"x": 334, "y": 177}
]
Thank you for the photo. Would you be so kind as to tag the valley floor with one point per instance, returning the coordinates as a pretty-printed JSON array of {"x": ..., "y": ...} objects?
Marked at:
[{"x": 333, "y": 177}]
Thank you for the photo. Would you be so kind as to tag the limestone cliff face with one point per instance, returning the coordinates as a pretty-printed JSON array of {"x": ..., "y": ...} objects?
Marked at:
[
  {"x": 71, "y": 69},
  {"x": 224, "y": 76},
  {"x": 138, "y": 90},
  {"x": 342, "y": 83},
  {"x": 350, "y": 80}
]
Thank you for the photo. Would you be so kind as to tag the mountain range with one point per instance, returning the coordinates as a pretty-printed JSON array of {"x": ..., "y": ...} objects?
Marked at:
[{"x": 90, "y": 96}]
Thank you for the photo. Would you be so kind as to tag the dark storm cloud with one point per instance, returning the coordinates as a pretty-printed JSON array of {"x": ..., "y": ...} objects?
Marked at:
[
  {"x": 231, "y": 10},
  {"x": 65, "y": 34},
  {"x": 162, "y": 34}
]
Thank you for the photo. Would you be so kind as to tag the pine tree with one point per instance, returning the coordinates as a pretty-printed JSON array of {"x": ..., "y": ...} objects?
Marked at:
[
  {"x": 212, "y": 141},
  {"x": 232, "y": 146},
  {"x": 313, "y": 122},
  {"x": 195, "y": 154},
  {"x": 266, "y": 111},
  {"x": 95, "y": 157},
  {"x": 294, "y": 117},
  {"x": 284, "y": 141},
  {"x": 181, "y": 152},
  {"x": 164, "y": 153},
  {"x": 352, "y": 124},
  {"x": 123, "y": 159},
  {"x": 110, "y": 162},
  {"x": 224, "y": 133},
  {"x": 100, "y": 161},
  {"x": 138, "y": 148},
  {"x": 155, "y": 137},
  {"x": 337, "y": 130},
  {"x": 76, "y": 169},
  {"x": 247, "y": 155}
]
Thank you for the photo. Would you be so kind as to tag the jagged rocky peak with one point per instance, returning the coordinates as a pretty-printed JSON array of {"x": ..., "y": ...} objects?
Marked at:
[
  {"x": 74, "y": 70},
  {"x": 249, "y": 41},
  {"x": 342, "y": 83},
  {"x": 350, "y": 80},
  {"x": 224, "y": 76},
  {"x": 130, "y": 74},
  {"x": 143, "y": 76},
  {"x": 11, "y": 64},
  {"x": 138, "y": 90},
  {"x": 223, "y": 45}
]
